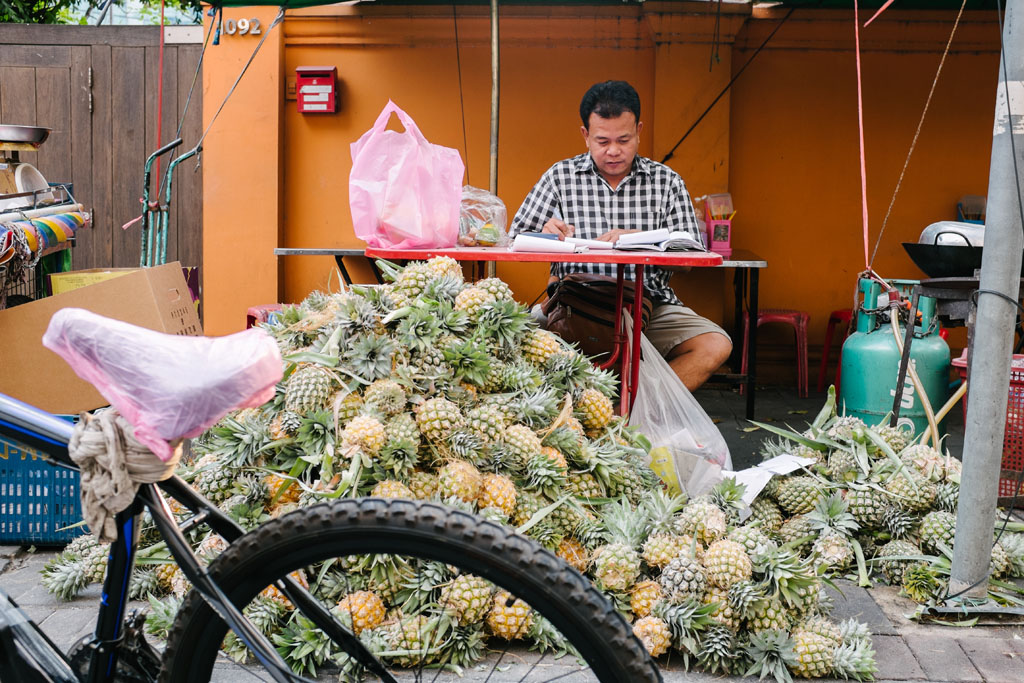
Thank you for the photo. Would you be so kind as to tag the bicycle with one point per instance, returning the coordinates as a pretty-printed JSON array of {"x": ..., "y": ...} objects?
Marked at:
[{"x": 424, "y": 535}]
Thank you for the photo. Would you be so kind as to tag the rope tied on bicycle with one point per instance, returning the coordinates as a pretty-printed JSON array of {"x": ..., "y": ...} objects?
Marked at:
[{"x": 113, "y": 464}]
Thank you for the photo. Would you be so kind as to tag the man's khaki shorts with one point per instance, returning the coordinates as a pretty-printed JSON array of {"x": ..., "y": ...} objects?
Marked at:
[{"x": 670, "y": 325}]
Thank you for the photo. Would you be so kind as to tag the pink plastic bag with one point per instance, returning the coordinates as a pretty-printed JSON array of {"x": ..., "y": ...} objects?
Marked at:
[
  {"x": 404, "y": 192},
  {"x": 167, "y": 386}
]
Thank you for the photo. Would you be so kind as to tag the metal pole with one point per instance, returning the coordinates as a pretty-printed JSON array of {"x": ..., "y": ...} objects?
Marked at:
[
  {"x": 993, "y": 340},
  {"x": 490, "y": 267}
]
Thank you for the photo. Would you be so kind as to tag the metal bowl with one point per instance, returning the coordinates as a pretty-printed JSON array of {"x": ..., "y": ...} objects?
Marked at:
[
  {"x": 943, "y": 260},
  {"x": 32, "y": 135}
]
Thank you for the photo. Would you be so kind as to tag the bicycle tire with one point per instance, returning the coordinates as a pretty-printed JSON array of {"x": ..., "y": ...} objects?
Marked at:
[{"x": 373, "y": 526}]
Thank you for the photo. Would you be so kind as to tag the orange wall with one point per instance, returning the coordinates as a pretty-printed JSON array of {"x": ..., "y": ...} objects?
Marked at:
[{"x": 783, "y": 141}]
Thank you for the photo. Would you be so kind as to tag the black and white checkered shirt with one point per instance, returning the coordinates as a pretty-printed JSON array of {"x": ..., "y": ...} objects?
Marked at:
[{"x": 652, "y": 196}]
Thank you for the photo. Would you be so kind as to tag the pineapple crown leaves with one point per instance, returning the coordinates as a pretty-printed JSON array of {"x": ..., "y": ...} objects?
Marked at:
[
  {"x": 686, "y": 621},
  {"x": 370, "y": 357},
  {"x": 444, "y": 288},
  {"x": 832, "y": 515},
  {"x": 236, "y": 443},
  {"x": 451, "y": 320},
  {"x": 546, "y": 638},
  {"x": 623, "y": 524},
  {"x": 717, "y": 654},
  {"x": 819, "y": 444},
  {"x": 543, "y": 474},
  {"x": 568, "y": 372},
  {"x": 855, "y": 660},
  {"x": 66, "y": 575},
  {"x": 746, "y": 596},
  {"x": 536, "y": 407},
  {"x": 419, "y": 329},
  {"x": 316, "y": 436},
  {"x": 660, "y": 509},
  {"x": 605, "y": 381},
  {"x": 565, "y": 440},
  {"x": 161, "y": 615},
  {"x": 303, "y": 645},
  {"x": 728, "y": 494},
  {"x": 772, "y": 653},
  {"x": 786, "y": 575},
  {"x": 469, "y": 361},
  {"x": 504, "y": 321}
]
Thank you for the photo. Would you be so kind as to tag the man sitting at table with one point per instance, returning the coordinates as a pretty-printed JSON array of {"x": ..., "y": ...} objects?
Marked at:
[{"x": 591, "y": 194}]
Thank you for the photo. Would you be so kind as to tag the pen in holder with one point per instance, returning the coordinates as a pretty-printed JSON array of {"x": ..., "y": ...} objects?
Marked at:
[{"x": 718, "y": 213}]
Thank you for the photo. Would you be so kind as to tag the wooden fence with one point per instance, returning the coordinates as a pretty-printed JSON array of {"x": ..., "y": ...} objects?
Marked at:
[{"x": 96, "y": 88}]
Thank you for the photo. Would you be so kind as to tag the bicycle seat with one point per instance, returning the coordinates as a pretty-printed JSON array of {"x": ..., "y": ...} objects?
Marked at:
[{"x": 167, "y": 386}]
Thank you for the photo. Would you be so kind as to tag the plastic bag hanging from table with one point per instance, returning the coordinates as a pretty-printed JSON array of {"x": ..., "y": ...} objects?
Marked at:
[
  {"x": 404, "y": 192},
  {"x": 687, "y": 449}
]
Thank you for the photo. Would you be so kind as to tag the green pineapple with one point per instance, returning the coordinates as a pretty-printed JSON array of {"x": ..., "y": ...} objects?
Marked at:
[
  {"x": 214, "y": 480},
  {"x": 704, "y": 521},
  {"x": 867, "y": 506},
  {"x": 309, "y": 388},
  {"x": 617, "y": 562},
  {"x": 766, "y": 514},
  {"x": 833, "y": 550},
  {"x": 813, "y": 653},
  {"x": 486, "y": 421},
  {"x": 893, "y": 559},
  {"x": 385, "y": 395},
  {"x": 585, "y": 485},
  {"x": 467, "y": 598},
  {"x": 727, "y": 563},
  {"x": 496, "y": 288},
  {"x": 937, "y": 528},
  {"x": 754, "y": 541},
  {"x": 921, "y": 584},
  {"x": 437, "y": 418},
  {"x": 768, "y": 614},
  {"x": 798, "y": 495},
  {"x": 683, "y": 579},
  {"x": 912, "y": 492}
]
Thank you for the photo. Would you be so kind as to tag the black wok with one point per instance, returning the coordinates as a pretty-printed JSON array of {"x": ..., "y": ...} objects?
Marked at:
[{"x": 944, "y": 260}]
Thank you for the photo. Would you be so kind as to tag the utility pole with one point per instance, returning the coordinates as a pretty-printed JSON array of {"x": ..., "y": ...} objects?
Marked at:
[{"x": 993, "y": 332}]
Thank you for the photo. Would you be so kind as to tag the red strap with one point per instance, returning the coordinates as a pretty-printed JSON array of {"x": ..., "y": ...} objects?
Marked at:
[{"x": 860, "y": 130}]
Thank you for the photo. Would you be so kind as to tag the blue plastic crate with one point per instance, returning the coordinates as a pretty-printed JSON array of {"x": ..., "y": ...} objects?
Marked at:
[{"x": 37, "y": 501}]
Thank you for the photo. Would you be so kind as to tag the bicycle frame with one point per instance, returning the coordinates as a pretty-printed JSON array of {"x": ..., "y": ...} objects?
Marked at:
[{"x": 31, "y": 650}]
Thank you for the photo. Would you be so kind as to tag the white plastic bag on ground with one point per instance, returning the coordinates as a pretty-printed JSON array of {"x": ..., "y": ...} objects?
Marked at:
[{"x": 668, "y": 414}]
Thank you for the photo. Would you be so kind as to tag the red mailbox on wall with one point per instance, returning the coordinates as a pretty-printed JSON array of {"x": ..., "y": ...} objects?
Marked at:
[{"x": 316, "y": 89}]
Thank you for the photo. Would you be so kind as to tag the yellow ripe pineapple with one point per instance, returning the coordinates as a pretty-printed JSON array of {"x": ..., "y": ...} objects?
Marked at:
[
  {"x": 813, "y": 654},
  {"x": 461, "y": 480},
  {"x": 654, "y": 634},
  {"x": 273, "y": 593},
  {"x": 595, "y": 409},
  {"x": 366, "y": 609},
  {"x": 723, "y": 611},
  {"x": 497, "y": 491},
  {"x": 423, "y": 484},
  {"x": 472, "y": 299},
  {"x": 539, "y": 345},
  {"x": 509, "y": 617},
  {"x": 660, "y": 549},
  {"x": 644, "y": 596},
  {"x": 346, "y": 404},
  {"x": 275, "y": 483},
  {"x": 165, "y": 575},
  {"x": 555, "y": 456},
  {"x": 575, "y": 425},
  {"x": 442, "y": 266},
  {"x": 486, "y": 421},
  {"x": 726, "y": 563},
  {"x": 574, "y": 553},
  {"x": 389, "y": 488},
  {"x": 705, "y": 521},
  {"x": 277, "y": 430},
  {"x": 467, "y": 598},
  {"x": 365, "y": 432}
]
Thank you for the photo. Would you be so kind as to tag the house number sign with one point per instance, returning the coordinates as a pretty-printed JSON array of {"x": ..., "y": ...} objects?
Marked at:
[{"x": 242, "y": 27}]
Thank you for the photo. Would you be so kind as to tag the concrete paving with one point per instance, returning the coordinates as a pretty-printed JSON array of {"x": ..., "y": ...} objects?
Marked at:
[{"x": 906, "y": 650}]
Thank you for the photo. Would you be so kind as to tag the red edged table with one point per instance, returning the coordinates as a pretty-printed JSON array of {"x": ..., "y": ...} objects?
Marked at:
[{"x": 639, "y": 259}]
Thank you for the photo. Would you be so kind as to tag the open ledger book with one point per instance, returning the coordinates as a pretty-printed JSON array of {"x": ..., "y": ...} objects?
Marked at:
[{"x": 659, "y": 240}]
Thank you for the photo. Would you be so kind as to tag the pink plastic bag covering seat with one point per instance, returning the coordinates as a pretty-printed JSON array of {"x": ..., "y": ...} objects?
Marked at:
[
  {"x": 167, "y": 386},
  {"x": 404, "y": 192}
]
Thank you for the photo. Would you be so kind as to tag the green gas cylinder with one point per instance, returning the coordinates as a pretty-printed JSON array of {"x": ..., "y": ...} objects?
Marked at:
[{"x": 871, "y": 363}]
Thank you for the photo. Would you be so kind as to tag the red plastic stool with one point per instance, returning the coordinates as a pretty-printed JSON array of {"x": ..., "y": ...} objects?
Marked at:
[
  {"x": 799, "y": 320},
  {"x": 834, "y": 318},
  {"x": 260, "y": 314}
]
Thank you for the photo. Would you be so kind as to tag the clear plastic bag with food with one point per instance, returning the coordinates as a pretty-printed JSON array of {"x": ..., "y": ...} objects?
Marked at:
[{"x": 482, "y": 219}]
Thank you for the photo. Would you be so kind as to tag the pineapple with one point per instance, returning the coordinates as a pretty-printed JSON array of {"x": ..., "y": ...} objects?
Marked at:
[
  {"x": 797, "y": 529},
  {"x": 496, "y": 288},
  {"x": 798, "y": 495},
  {"x": 833, "y": 550},
  {"x": 585, "y": 485},
  {"x": 920, "y": 583},
  {"x": 471, "y": 300},
  {"x": 726, "y": 563},
  {"x": 915, "y": 495},
  {"x": 346, "y": 405},
  {"x": 446, "y": 266},
  {"x": 595, "y": 409},
  {"x": 823, "y": 627},
  {"x": 999, "y": 564},
  {"x": 765, "y": 513},
  {"x": 412, "y": 638},
  {"x": 521, "y": 444},
  {"x": 214, "y": 480},
  {"x": 437, "y": 418},
  {"x": 947, "y": 495},
  {"x": 539, "y": 345},
  {"x": 486, "y": 421},
  {"x": 573, "y": 553},
  {"x": 365, "y": 432},
  {"x": 867, "y": 506},
  {"x": 897, "y": 437},
  {"x": 617, "y": 563},
  {"x": 365, "y": 608},
  {"x": 423, "y": 484},
  {"x": 660, "y": 549},
  {"x": 308, "y": 389},
  {"x": 925, "y": 461},
  {"x": 937, "y": 528},
  {"x": 644, "y": 596},
  {"x": 389, "y": 488},
  {"x": 509, "y": 618},
  {"x": 385, "y": 395},
  {"x": 654, "y": 634},
  {"x": 467, "y": 598},
  {"x": 813, "y": 654},
  {"x": 754, "y": 541},
  {"x": 768, "y": 615},
  {"x": 722, "y": 610},
  {"x": 285, "y": 490},
  {"x": 497, "y": 491},
  {"x": 890, "y": 559},
  {"x": 704, "y": 521},
  {"x": 683, "y": 579},
  {"x": 459, "y": 479}
]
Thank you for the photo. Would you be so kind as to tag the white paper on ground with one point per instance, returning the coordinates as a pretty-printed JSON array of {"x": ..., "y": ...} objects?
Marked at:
[
  {"x": 756, "y": 478},
  {"x": 540, "y": 244}
]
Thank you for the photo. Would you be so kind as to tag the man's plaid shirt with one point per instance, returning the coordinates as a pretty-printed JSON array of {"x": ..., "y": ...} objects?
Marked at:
[{"x": 652, "y": 196}]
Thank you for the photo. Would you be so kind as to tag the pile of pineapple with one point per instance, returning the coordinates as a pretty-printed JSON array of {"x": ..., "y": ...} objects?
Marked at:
[
  {"x": 429, "y": 387},
  {"x": 878, "y": 503}
]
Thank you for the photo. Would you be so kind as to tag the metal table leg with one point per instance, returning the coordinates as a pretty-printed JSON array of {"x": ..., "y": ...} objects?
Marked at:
[{"x": 752, "y": 345}]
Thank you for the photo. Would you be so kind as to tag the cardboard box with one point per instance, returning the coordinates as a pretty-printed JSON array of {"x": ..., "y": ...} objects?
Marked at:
[
  {"x": 156, "y": 298},
  {"x": 65, "y": 282}
]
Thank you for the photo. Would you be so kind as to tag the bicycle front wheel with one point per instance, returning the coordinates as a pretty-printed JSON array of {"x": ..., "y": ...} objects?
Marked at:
[{"x": 432, "y": 591}]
